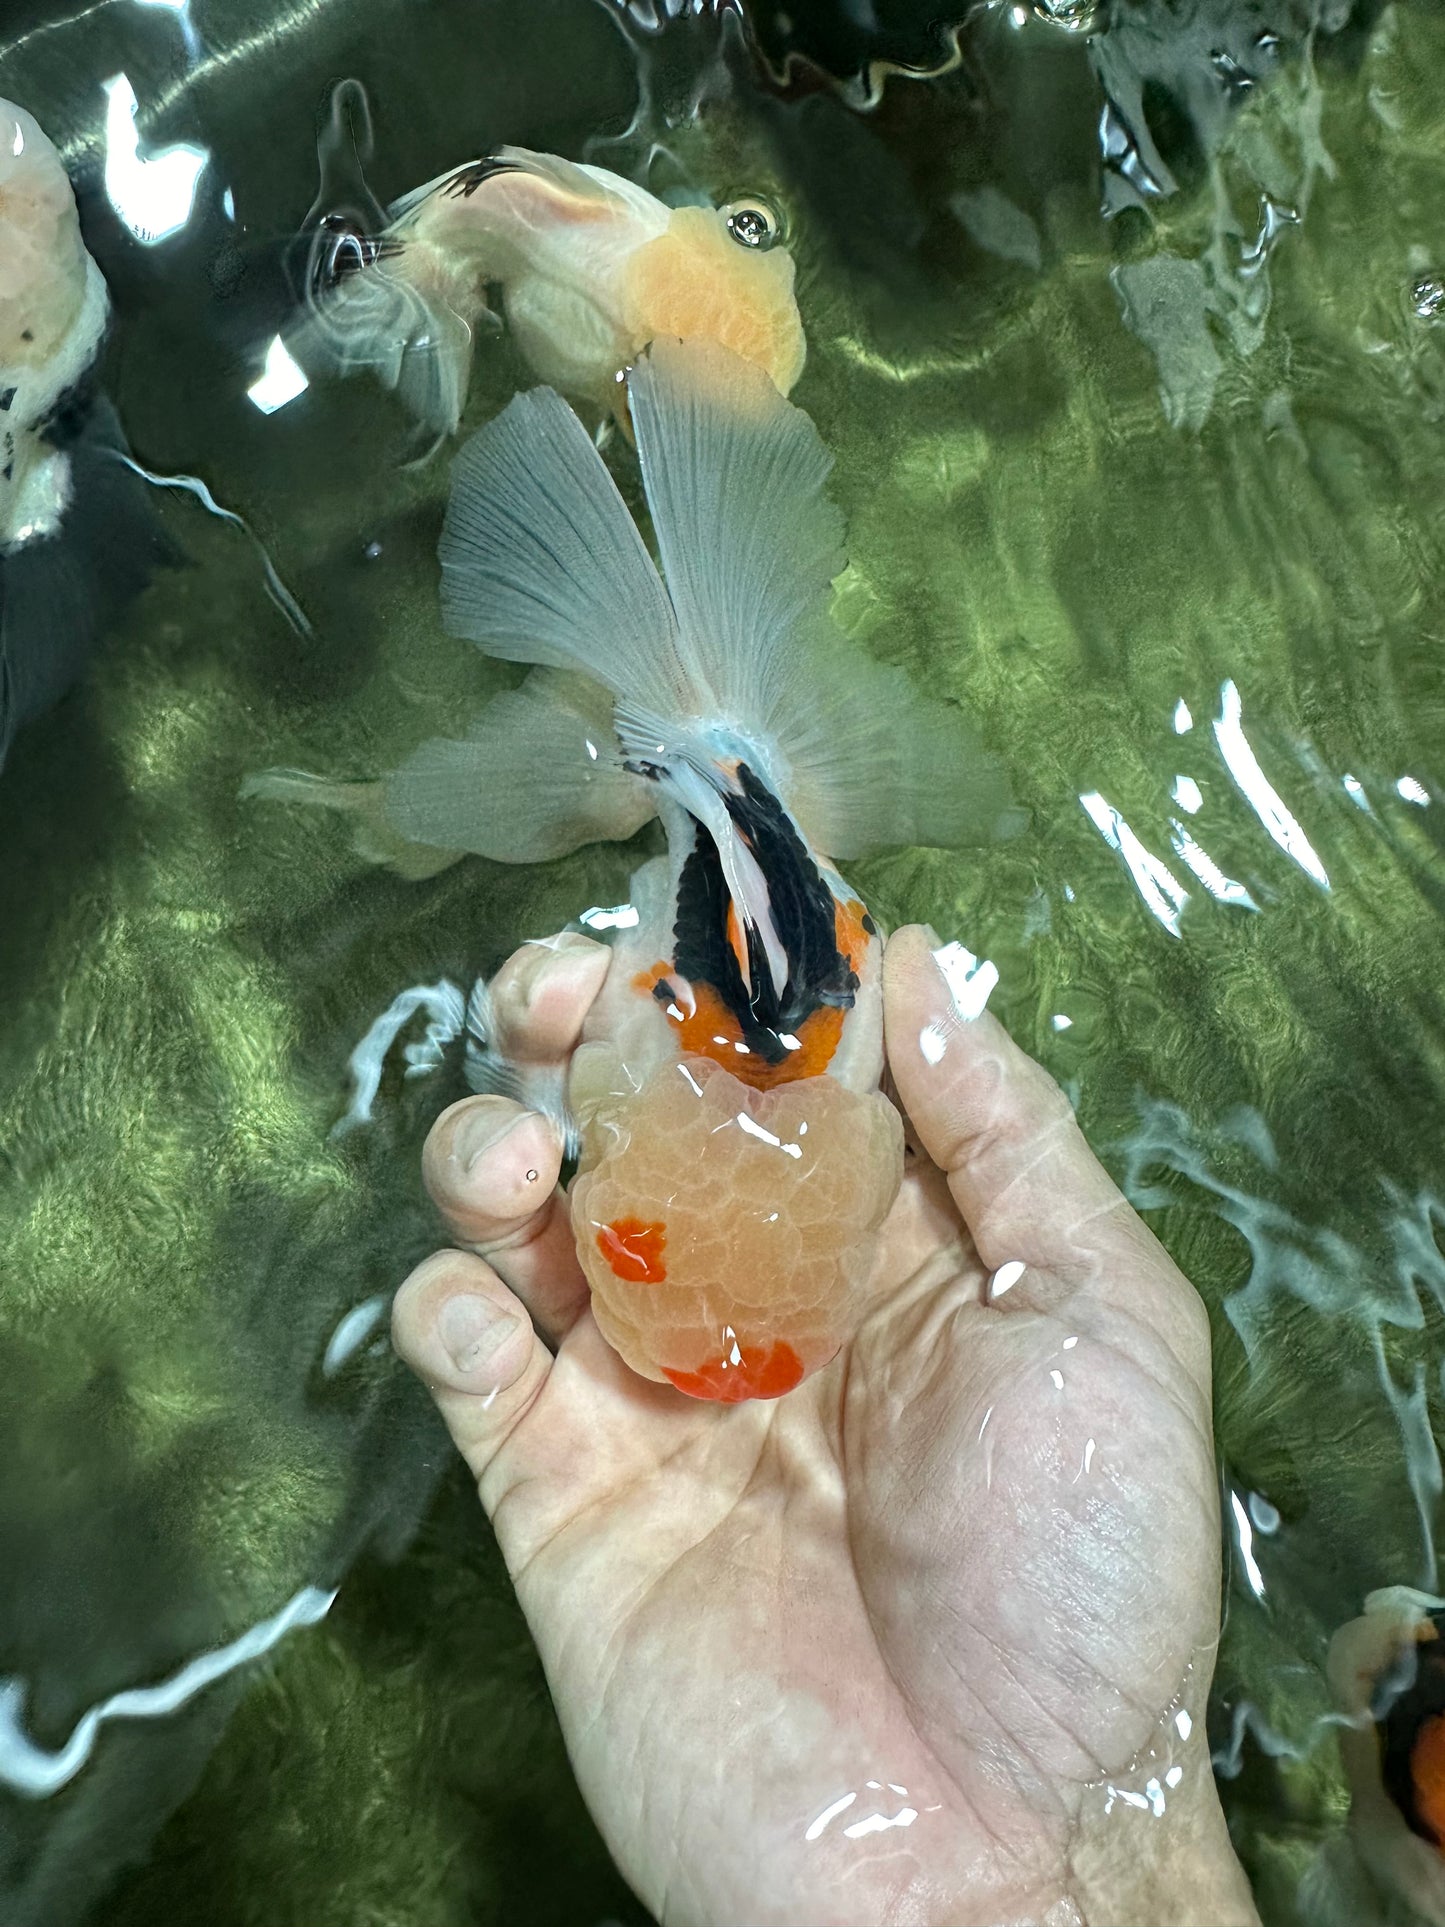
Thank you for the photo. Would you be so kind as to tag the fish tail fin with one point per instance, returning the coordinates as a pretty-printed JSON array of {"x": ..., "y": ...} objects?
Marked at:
[
  {"x": 374, "y": 837},
  {"x": 750, "y": 545},
  {"x": 737, "y": 655},
  {"x": 540, "y": 1087},
  {"x": 398, "y": 305},
  {"x": 61, "y": 594}
]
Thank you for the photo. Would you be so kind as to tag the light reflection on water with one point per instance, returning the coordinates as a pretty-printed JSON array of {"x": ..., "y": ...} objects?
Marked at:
[{"x": 1263, "y": 1082}]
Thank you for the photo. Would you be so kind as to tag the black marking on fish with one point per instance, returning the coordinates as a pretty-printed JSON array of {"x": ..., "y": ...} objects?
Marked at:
[
  {"x": 1407, "y": 1697},
  {"x": 663, "y": 991},
  {"x": 804, "y": 916},
  {"x": 27, "y": 334},
  {"x": 68, "y": 417},
  {"x": 7, "y": 395},
  {"x": 464, "y": 183},
  {"x": 7, "y": 473}
]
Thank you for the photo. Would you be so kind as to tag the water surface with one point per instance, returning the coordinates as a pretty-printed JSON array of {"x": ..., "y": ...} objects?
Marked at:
[{"x": 1131, "y": 347}]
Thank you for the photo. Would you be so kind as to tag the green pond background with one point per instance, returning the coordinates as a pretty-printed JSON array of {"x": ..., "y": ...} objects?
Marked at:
[{"x": 1092, "y": 468}]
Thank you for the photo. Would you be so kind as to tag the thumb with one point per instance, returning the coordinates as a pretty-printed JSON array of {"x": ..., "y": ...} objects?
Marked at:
[
  {"x": 1025, "y": 1182},
  {"x": 471, "y": 1342}
]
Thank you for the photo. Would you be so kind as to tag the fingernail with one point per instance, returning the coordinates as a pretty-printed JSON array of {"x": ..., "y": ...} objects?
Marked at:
[
  {"x": 970, "y": 980},
  {"x": 472, "y": 1330},
  {"x": 480, "y": 1130}
]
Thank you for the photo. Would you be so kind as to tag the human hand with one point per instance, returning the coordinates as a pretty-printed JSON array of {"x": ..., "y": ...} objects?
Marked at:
[{"x": 928, "y": 1640}]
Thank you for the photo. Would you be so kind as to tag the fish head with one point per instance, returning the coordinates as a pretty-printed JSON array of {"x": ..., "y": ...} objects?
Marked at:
[{"x": 722, "y": 275}]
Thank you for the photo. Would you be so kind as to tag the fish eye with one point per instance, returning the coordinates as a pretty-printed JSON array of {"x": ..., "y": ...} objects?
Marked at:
[{"x": 753, "y": 224}]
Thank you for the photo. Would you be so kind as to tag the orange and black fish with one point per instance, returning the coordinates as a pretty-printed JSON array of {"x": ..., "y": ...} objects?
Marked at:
[{"x": 736, "y": 1153}]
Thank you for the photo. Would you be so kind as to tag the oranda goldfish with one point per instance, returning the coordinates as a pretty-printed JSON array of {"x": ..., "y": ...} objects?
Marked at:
[
  {"x": 77, "y": 537},
  {"x": 1387, "y": 1671},
  {"x": 588, "y": 266},
  {"x": 736, "y": 1154}
]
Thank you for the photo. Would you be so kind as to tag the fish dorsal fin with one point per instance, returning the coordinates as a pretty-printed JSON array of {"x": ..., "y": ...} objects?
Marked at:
[
  {"x": 541, "y": 561},
  {"x": 748, "y": 541}
]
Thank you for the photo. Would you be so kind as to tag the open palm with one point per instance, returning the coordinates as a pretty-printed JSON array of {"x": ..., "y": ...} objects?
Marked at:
[{"x": 929, "y": 1639}]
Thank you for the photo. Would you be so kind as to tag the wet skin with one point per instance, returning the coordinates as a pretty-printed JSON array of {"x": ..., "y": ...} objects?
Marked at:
[{"x": 974, "y": 1562}]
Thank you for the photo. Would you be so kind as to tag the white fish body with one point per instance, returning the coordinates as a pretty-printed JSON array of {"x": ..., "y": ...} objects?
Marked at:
[
  {"x": 78, "y": 536},
  {"x": 590, "y": 267},
  {"x": 53, "y": 311}
]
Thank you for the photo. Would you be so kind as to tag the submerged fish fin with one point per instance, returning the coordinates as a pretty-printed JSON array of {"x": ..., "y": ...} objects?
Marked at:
[
  {"x": 406, "y": 311},
  {"x": 874, "y": 764},
  {"x": 373, "y": 837},
  {"x": 748, "y": 541},
  {"x": 750, "y": 545},
  {"x": 539, "y": 1087},
  {"x": 373, "y": 299},
  {"x": 62, "y": 593},
  {"x": 537, "y": 775},
  {"x": 542, "y": 562}
]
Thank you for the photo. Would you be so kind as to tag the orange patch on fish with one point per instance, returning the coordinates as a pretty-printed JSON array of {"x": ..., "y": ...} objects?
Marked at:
[
  {"x": 745, "y": 1371},
  {"x": 634, "y": 1250},
  {"x": 711, "y": 1030},
  {"x": 1427, "y": 1772},
  {"x": 694, "y": 280},
  {"x": 737, "y": 942}
]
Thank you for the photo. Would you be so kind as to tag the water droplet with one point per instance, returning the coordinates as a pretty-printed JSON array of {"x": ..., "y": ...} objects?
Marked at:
[{"x": 1427, "y": 297}]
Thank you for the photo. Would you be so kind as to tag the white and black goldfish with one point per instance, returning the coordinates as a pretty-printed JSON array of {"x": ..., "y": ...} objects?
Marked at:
[{"x": 1387, "y": 1673}]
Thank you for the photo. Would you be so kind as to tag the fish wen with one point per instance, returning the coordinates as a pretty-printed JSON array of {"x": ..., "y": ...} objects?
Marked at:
[
  {"x": 77, "y": 535},
  {"x": 588, "y": 268},
  {"x": 736, "y": 1156}
]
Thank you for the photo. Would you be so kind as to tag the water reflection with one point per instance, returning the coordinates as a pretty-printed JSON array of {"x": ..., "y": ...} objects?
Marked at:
[
  {"x": 153, "y": 194},
  {"x": 37, "y": 1772},
  {"x": 184, "y": 986}
]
